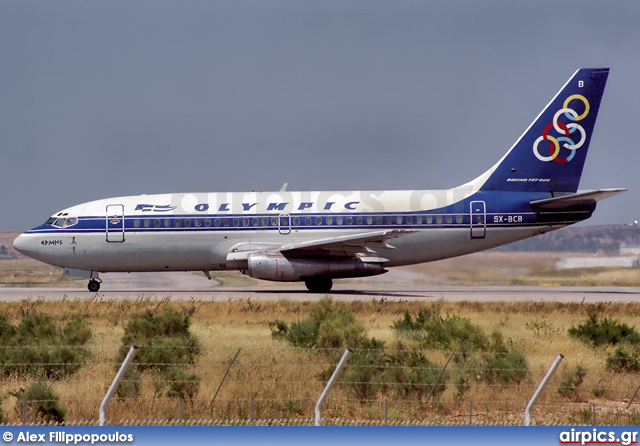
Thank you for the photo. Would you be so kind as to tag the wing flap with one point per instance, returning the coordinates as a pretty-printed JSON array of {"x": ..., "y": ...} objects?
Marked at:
[{"x": 352, "y": 243}]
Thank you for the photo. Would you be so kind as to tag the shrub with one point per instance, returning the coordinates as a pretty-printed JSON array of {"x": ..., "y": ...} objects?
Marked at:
[
  {"x": 166, "y": 345},
  {"x": 604, "y": 332},
  {"x": 42, "y": 401},
  {"x": 571, "y": 381},
  {"x": 505, "y": 367},
  {"x": 183, "y": 385},
  {"x": 623, "y": 362},
  {"x": 371, "y": 368},
  {"x": 431, "y": 330},
  {"x": 409, "y": 373},
  {"x": 329, "y": 326},
  {"x": 40, "y": 349}
]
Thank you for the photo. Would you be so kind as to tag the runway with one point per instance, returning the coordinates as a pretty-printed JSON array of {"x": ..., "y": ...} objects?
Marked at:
[{"x": 181, "y": 287}]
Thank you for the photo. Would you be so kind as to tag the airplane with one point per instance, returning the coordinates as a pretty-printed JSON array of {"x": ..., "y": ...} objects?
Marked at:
[{"x": 319, "y": 236}]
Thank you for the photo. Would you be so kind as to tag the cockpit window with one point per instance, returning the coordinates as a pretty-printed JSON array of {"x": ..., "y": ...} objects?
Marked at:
[{"x": 62, "y": 222}]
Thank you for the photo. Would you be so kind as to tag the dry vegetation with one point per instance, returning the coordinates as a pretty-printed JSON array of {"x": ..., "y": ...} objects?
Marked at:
[{"x": 284, "y": 382}]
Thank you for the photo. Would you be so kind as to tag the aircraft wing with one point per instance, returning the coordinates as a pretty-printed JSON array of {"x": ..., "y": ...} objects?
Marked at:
[
  {"x": 577, "y": 199},
  {"x": 347, "y": 245}
]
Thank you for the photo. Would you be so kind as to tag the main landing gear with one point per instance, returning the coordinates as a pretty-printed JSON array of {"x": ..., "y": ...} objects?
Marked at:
[
  {"x": 94, "y": 286},
  {"x": 319, "y": 284}
]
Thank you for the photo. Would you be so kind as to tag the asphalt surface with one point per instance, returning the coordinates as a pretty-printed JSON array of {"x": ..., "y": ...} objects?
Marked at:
[{"x": 183, "y": 286}]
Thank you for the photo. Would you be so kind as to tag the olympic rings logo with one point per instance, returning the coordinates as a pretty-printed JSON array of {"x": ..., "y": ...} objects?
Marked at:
[{"x": 565, "y": 130}]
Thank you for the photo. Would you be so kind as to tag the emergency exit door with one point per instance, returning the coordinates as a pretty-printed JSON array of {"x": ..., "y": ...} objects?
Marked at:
[{"x": 478, "y": 219}]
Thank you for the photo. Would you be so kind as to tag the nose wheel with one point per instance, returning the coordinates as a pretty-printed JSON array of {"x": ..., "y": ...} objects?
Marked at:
[{"x": 94, "y": 286}]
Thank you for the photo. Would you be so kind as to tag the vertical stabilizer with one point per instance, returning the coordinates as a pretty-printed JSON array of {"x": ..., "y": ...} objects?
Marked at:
[{"x": 550, "y": 154}]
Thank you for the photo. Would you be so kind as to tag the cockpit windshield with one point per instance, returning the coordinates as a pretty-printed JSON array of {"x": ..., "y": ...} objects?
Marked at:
[{"x": 62, "y": 222}]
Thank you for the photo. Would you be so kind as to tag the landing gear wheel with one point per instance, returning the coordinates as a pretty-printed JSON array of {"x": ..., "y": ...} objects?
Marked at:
[
  {"x": 94, "y": 286},
  {"x": 319, "y": 285}
]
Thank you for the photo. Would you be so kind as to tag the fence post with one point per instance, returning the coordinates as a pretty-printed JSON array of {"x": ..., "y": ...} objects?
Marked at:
[
  {"x": 633, "y": 397},
  {"x": 593, "y": 414},
  {"x": 114, "y": 384},
  {"x": 386, "y": 411},
  {"x": 251, "y": 412},
  {"x": 470, "y": 411},
  {"x": 225, "y": 376},
  {"x": 541, "y": 386},
  {"x": 24, "y": 412},
  {"x": 330, "y": 384},
  {"x": 435, "y": 384},
  {"x": 180, "y": 410}
]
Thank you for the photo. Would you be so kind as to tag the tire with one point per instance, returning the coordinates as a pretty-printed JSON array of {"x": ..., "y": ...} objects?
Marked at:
[
  {"x": 94, "y": 286},
  {"x": 319, "y": 285}
]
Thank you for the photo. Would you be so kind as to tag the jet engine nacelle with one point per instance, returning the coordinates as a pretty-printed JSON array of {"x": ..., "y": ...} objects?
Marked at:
[{"x": 282, "y": 269}]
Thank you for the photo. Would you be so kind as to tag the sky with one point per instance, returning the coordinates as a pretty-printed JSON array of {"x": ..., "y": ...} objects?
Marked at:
[{"x": 102, "y": 99}]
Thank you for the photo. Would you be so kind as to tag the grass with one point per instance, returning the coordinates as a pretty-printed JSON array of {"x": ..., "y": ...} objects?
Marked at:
[
  {"x": 26, "y": 272},
  {"x": 283, "y": 382}
]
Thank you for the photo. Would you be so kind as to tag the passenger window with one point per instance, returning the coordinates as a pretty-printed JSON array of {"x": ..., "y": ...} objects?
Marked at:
[
  {"x": 235, "y": 222},
  {"x": 339, "y": 219},
  {"x": 265, "y": 222},
  {"x": 389, "y": 220},
  {"x": 418, "y": 219},
  {"x": 439, "y": 219},
  {"x": 167, "y": 222},
  {"x": 349, "y": 220},
  {"x": 187, "y": 222},
  {"x": 274, "y": 221},
  {"x": 254, "y": 221},
  {"x": 216, "y": 222},
  {"x": 359, "y": 220},
  {"x": 226, "y": 221},
  {"x": 369, "y": 220},
  {"x": 449, "y": 219},
  {"x": 379, "y": 220},
  {"x": 147, "y": 222},
  {"x": 207, "y": 222},
  {"x": 399, "y": 220},
  {"x": 136, "y": 223},
  {"x": 296, "y": 221},
  {"x": 458, "y": 219},
  {"x": 156, "y": 223},
  {"x": 429, "y": 219},
  {"x": 318, "y": 221},
  {"x": 177, "y": 223},
  {"x": 245, "y": 222},
  {"x": 197, "y": 223},
  {"x": 307, "y": 221}
]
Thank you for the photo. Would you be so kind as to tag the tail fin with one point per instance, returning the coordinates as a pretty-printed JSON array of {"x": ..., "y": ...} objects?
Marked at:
[{"x": 550, "y": 154}]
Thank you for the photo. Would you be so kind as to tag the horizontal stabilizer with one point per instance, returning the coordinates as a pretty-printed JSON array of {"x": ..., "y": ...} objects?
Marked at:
[{"x": 577, "y": 199}]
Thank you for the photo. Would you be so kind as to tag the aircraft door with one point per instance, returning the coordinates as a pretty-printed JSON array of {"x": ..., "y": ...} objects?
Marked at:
[
  {"x": 115, "y": 223},
  {"x": 284, "y": 224},
  {"x": 478, "y": 219}
]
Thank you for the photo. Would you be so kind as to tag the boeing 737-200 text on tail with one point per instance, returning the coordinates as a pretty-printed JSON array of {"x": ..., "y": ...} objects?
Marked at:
[{"x": 319, "y": 236}]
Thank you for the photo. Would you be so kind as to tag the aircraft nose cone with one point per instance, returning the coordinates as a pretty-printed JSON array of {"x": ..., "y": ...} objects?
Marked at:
[{"x": 25, "y": 245}]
